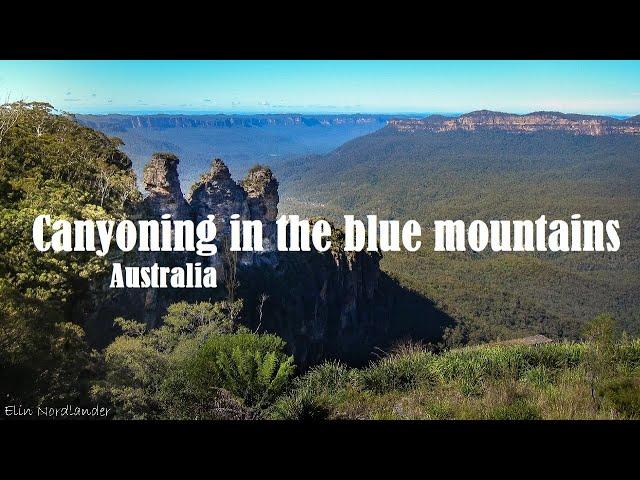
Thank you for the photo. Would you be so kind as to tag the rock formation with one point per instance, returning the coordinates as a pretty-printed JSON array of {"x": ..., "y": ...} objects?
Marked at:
[
  {"x": 262, "y": 198},
  {"x": 161, "y": 182},
  {"x": 531, "y": 122},
  {"x": 324, "y": 305},
  {"x": 216, "y": 193},
  {"x": 255, "y": 198}
]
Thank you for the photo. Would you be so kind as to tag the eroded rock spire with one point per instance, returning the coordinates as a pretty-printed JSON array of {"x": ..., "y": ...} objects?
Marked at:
[
  {"x": 161, "y": 182},
  {"x": 216, "y": 193},
  {"x": 262, "y": 197}
]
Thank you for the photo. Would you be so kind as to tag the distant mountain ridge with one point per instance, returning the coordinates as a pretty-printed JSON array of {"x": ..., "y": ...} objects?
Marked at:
[
  {"x": 477, "y": 120},
  {"x": 531, "y": 122},
  {"x": 242, "y": 140},
  {"x": 122, "y": 123}
]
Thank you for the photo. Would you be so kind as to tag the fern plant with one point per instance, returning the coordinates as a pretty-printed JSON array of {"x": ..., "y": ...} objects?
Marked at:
[{"x": 253, "y": 367}]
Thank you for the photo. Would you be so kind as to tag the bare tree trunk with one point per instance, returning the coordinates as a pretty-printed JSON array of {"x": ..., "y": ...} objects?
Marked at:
[{"x": 263, "y": 298}]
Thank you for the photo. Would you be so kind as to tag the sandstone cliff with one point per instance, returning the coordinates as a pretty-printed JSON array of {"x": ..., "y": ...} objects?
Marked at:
[
  {"x": 262, "y": 199},
  {"x": 122, "y": 123},
  {"x": 161, "y": 182},
  {"x": 325, "y": 305},
  {"x": 531, "y": 122}
]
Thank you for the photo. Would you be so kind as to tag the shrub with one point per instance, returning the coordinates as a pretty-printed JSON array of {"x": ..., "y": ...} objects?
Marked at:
[
  {"x": 624, "y": 394},
  {"x": 183, "y": 317},
  {"x": 538, "y": 376},
  {"x": 300, "y": 404},
  {"x": 519, "y": 409},
  {"x": 327, "y": 377},
  {"x": 252, "y": 367},
  {"x": 398, "y": 372},
  {"x": 499, "y": 361}
]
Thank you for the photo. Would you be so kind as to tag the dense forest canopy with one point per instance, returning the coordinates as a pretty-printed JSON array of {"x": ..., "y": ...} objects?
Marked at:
[
  {"x": 50, "y": 164},
  {"x": 491, "y": 175}
]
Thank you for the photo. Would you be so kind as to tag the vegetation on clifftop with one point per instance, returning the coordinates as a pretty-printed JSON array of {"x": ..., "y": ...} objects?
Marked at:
[{"x": 50, "y": 165}]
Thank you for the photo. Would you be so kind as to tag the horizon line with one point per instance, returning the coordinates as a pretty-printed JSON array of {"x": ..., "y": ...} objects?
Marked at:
[
  {"x": 421, "y": 113},
  {"x": 401, "y": 111}
]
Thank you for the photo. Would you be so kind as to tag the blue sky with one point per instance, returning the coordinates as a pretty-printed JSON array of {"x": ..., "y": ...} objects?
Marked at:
[{"x": 598, "y": 87}]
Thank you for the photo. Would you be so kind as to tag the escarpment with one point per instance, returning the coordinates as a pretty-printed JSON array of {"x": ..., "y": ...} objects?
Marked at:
[
  {"x": 532, "y": 122},
  {"x": 325, "y": 305}
]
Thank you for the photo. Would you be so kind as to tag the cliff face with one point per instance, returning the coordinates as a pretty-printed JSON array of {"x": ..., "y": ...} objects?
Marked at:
[
  {"x": 216, "y": 193},
  {"x": 161, "y": 182},
  {"x": 262, "y": 199},
  {"x": 121, "y": 123},
  {"x": 325, "y": 305},
  {"x": 531, "y": 122}
]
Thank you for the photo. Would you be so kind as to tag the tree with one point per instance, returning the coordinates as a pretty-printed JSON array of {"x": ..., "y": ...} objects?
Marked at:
[
  {"x": 261, "y": 301},
  {"x": 230, "y": 265},
  {"x": 51, "y": 164}
]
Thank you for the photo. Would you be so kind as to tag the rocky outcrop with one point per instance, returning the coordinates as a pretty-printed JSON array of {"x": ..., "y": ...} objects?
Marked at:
[
  {"x": 262, "y": 198},
  {"x": 255, "y": 198},
  {"x": 531, "y": 122},
  {"x": 163, "y": 196},
  {"x": 216, "y": 193},
  {"x": 161, "y": 182},
  {"x": 324, "y": 305}
]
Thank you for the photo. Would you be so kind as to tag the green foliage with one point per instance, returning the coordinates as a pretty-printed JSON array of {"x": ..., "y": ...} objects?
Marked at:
[
  {"x": 49, "y": 164},
  {"x": 600, "y": 356},
  {"x": 312, "y": 392},
  {"x": 301, "y": 405},
  {"x": 539, "y": 376},
  {"x": 623, "y": 393},
  {"x": 44, "y": 360},
  {"x": 184, "y": 317},
  {"x": 251, "y": 367},
  {"x": 490, "y": 176},
  {"x": 398, "y": 372},
  {"x": 327, "y": 377},
  {"x": 130, "y": 327},
  {"x": 198, "y": 364},
  {"x": 515, "y": 382},
  {"x": 517, "y": 410}
]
